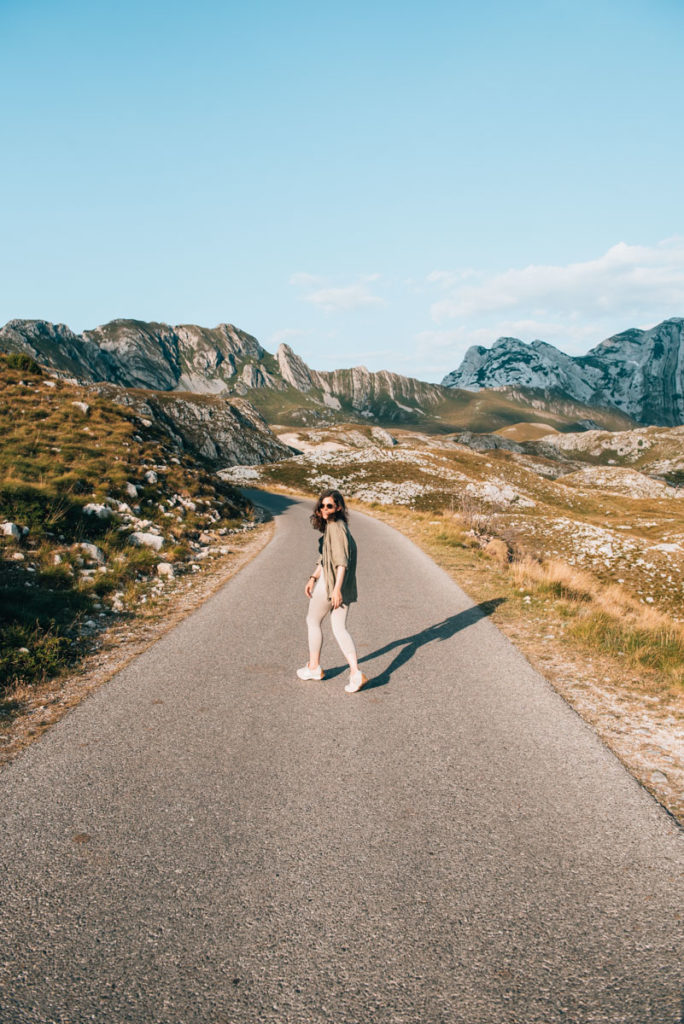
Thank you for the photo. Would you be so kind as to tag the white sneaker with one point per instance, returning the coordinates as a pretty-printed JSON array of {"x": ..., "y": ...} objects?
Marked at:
[
  {"x": 310, "y": 673},
  {"x": 356, "y": 681}
]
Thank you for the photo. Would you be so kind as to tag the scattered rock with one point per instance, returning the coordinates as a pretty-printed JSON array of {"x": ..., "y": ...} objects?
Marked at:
[
  {"x": 238, "y": 475},
  {"x": 131, "y": 489},
  {"x": 498, "y": 492},
  {"x": 146, "y": 540},
  {"x": 151, "y": 477},
  {"x": 621, "y": 480},
  {"x": 11, "y": 530},
  {"x": 94, "y": 553},
  {"x": 82, "y": 407},
  {"x": 383, "y": 437},
  {"x": 99, "y": 511},
  {"x": 165, "y": 569}
]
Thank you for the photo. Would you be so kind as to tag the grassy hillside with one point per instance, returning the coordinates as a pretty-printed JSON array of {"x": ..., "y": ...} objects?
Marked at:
[
  {"x": 480, "y": 411},
  {"x": 93, "y": 500}
]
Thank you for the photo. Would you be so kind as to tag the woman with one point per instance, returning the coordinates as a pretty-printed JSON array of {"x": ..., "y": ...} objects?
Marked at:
[{"x": 332, "y": 587}]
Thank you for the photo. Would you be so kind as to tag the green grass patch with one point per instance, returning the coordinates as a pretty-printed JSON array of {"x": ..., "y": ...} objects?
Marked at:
[{"x": 661, "y": 649}]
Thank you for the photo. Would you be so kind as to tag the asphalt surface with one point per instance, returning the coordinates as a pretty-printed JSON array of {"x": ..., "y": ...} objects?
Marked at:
[{"x": 208, "y": 839}]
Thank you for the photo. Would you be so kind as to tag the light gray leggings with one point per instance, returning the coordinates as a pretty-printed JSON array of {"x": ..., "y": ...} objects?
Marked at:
[{"x": 319, "y": 606}]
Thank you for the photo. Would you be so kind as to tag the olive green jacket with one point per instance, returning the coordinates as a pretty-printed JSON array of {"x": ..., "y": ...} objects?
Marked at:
[{"x": 338, "y": 547}]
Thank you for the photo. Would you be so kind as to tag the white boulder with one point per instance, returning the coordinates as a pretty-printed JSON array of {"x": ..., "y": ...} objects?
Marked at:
[
  {"x": 92, "y": 551},
  {"x": 146, "y": 540},
  {"x": 99, "y": 511}
]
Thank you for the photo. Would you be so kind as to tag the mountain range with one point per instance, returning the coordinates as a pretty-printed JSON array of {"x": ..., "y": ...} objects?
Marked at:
[
  {"x": 633, "y": 377},
  {"x": 219, "y": 360},
  {"x": 639, "y": 372}
]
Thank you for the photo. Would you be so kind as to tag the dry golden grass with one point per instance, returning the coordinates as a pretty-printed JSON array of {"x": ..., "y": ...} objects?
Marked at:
[{"x": 609, "y": 620}]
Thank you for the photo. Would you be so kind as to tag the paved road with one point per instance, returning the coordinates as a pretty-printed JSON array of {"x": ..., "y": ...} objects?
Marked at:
[{"x": 209, "y": 840}]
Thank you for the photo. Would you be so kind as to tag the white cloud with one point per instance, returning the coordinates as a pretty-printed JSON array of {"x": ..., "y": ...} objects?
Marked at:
[
  {"x": 338, "y": 298},
  {"x": 305, "y": 280},
  {"x": 627, "y": 283},
  {"x": 572, "y": 306}
]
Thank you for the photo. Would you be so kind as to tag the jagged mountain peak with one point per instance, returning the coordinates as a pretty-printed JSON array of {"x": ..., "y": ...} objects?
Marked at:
[
  {"x": 293, "y": 368},
  {"x": 640, "y": 372}
]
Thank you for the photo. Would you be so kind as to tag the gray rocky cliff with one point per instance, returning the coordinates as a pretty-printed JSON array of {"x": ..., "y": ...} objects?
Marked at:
[
  {"x": 375, "y": 393},
  {"x": 134, "y": 353},
  {"x": 221, "y": 431},
  {"x": 641, "y": 373},
  {"x": 293, "y": 369},
  {"x": 358, "y": 387}
]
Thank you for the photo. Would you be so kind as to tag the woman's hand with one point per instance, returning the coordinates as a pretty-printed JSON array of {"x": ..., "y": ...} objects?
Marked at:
[
  {"x": 309, "y": 588},
  {"x": 336, "y": 599}
]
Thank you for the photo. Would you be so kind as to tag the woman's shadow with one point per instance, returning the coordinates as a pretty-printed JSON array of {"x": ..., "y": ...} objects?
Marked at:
[{"x": 408, "y": 645}]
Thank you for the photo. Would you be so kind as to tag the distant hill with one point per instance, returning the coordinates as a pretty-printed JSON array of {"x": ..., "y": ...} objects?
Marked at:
[
  {"x": 225, "y": 361},
  {"x": 638, "y": 372}
]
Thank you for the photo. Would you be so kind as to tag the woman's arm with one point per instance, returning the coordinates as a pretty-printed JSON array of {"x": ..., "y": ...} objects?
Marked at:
[
  {"x": 337, "y": 592},
  {"x": 311, "y": 582}
]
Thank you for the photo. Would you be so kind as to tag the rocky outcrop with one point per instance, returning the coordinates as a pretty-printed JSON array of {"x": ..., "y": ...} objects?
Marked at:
[
  {"x": 367, "y": 393},
  {"x": 638, "y": 372},
  {"x": 641, "y": 372},
  {"x": 620, "y": 480},
  {"x": 294, "y": 370},
  {"x": 511, "y": 362},
  {"x": 221, "y": 431},
  {"x": 487, "y": 442},
  {"x": 258, "y": 377},
  {"x": 57, "y": 346},
  {"x": 383, "y": 394}
]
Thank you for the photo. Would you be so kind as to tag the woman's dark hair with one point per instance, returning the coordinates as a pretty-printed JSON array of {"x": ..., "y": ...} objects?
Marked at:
[{"x": 317, "y": 520}]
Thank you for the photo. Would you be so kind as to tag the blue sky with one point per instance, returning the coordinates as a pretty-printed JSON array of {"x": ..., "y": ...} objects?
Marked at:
[{"x": 379, "y": 183}]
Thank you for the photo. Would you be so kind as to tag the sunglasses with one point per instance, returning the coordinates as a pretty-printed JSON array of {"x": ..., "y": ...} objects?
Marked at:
[{"x": 327, "y": 504}]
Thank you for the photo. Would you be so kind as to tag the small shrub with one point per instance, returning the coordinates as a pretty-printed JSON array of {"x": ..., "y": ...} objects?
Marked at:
[
  {"x": 452, "y": 535},
  {"x": 33, "y": 654},
  {"x": 24, "y": 363}
]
